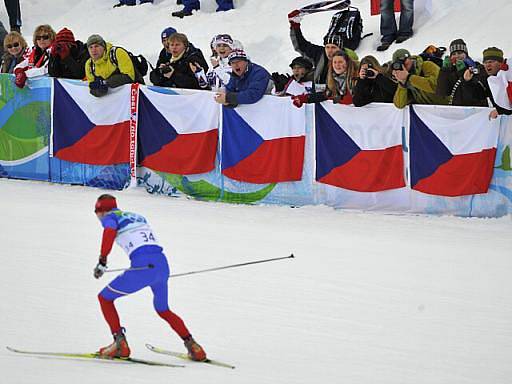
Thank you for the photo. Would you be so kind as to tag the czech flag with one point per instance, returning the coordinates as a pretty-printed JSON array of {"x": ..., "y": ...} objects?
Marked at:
[
  {"x": 359, "y": 148},
  {"x": 177, "y": 133},
  {"x": 88, "y": 129},
  {"x": 264, "y": 142},
  {"x": 452, "y": 157}
]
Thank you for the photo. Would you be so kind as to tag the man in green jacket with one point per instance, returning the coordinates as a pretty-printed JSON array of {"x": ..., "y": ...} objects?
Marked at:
[{"x": 417, "y": 80}]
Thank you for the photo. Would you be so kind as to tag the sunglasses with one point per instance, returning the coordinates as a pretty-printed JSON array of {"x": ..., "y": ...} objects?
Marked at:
[
  {"x": 43, "y": 37},
  {"x": 13, "y": 45}
]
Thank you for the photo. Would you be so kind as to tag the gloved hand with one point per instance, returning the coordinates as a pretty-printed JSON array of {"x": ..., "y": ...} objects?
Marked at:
[
  {"x": 62, "y": 50},
  {"x": 280, "y": 81},
  {"x": 21, "y": 77},
  {"x": 100, "y": 268},
  {"x": 299, "y": 100},
  {"x": 504, "y": 65},
  {"x": 295, "y": 17},
  {"x": 447, "y": 62},
  {"x": 460, "y": 65},
  {"x": 99, "y": 84}
]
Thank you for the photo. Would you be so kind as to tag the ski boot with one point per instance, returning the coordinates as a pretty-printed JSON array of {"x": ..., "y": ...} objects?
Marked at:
[
  {"x": 195, "y": 351},
  {"x": 119, "y": 348}
]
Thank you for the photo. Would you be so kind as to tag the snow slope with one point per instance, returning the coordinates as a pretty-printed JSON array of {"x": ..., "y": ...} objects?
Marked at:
[{"x": 370, "y": 298}]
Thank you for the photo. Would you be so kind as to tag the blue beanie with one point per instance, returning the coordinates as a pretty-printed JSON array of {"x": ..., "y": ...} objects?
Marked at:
[{"x": 167, "y": 32}]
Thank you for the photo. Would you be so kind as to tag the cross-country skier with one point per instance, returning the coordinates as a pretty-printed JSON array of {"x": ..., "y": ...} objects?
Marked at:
[{"x": 132, "y": 233}]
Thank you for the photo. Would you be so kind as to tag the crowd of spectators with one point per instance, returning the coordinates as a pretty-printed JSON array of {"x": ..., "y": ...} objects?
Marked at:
[{"x": 321, "y": 72}]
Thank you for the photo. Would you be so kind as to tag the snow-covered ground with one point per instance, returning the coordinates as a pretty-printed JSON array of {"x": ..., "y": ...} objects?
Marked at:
[{"x": 369, "y": 298}]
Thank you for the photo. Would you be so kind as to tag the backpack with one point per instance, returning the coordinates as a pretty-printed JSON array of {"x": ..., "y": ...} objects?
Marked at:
[
  {"x": 434, "y": 54},
  {"x": 349, "y": 25},
  {"x": 140, "y": 64}
]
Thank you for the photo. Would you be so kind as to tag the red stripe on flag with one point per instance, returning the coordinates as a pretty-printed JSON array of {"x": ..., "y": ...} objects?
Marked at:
[
  {"x": 275, "y": 161},
  {"x": 466, "y": 174},
  {"x": 370, "y": 171},
  {"x": 188, "y": 154},
  {"x": 103, "y": 145}
]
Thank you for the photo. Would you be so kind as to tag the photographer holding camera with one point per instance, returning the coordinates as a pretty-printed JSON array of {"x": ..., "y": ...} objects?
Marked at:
[
  {"x": 185, "y": 68},
  {"x": 458, "y": 77},
  {"x": 67, "y": 56},
  {"x": 373, "y": 84},
  {"x": 417, "y": 80}
]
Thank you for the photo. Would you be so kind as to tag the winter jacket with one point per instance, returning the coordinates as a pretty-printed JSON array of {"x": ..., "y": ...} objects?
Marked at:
[
  {"x": 379, "y": 90},
  {"x": 182, "y": 77},
  {"x": 250, "y": 87},
  {"x": 73, "y": 66},
  {"x": 9, "y": 62},
  {"x": 35, "y": 62},
  {"x": 315, "y": 53},
  {"x": 220, "y": 75},
  {"x": 115, "y": 75},
  {"x": 420, "y": 87},
  {"x": 461, "y": 92}
]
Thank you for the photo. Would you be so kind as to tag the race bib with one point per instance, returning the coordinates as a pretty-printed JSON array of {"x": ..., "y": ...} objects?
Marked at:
[{"x": 136, "y": 238}]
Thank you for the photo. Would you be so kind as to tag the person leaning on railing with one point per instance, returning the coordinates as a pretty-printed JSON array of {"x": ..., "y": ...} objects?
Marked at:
[{"x": 374, "y": 83}]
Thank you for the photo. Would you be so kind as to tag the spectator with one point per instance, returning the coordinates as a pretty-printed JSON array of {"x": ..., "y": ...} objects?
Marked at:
[
  {"x": 457, "y": 77},
  {"x": 67, "y": 56},
  {"x": 35, "y": 62},
  {"x": 374, "y": 85},
  {"x": 194, "y": 5},
  {"x": 417, "y": 80},
  {"x": 164, "y": 55},
  {"x": 388, "y": 28},
  {"x": 249, "y": 81},
  {"x": 320, "y": 56},
  {"x": 131, "y": 2},
  {"x": 107, "y": 67},
  {"x": 493, "y": 63},
  {"x": 298, "y": 83},
  {"x": 341, "y": 79},
  {"x": 220, "y": 73},
  {"x": 186, "y": 67},
  {"x": 14, "y": 12},
  {"x": 15, "y": 48}
]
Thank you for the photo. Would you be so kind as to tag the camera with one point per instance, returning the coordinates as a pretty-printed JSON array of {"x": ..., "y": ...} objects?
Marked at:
[
  {"x": 397, "y": 65},
  {"x": 474, "y": 70},
  {"x": 166, "y": 69},
  {"x": 369, "y": 65}
]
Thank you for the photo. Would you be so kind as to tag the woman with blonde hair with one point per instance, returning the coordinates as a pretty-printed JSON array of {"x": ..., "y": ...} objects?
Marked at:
[
  {"x": 36, "y": 64},
  {"x": 15, "y": 47},
  {"x": 374, "y": 84},
  {"x": 341, "y": 80}
]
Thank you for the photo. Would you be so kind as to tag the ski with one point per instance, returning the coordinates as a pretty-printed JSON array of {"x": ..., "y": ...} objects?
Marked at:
[
  {"x": 184, "y": 356},
  {"x": 95, "y": 356},
  {"x": 322, "y": 6}
]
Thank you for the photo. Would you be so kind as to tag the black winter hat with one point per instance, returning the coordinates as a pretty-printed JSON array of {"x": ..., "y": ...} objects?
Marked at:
[
  {"x": 302, "y": 62},
  {"x": 335, "y": 39},
  {"x": 458, "y": 45}
]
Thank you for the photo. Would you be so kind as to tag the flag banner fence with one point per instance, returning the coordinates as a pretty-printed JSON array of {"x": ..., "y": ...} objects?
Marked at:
[{"x": 421, "y": 159}]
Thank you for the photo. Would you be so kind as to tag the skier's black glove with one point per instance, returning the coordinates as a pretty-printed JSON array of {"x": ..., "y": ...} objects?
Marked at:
[{"x": 100, "y": 268}]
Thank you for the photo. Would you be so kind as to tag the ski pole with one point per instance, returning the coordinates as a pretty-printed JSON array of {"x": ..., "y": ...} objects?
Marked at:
[
  {"x": 232, "y": 266},
  {"x": 149, "y": 266}
]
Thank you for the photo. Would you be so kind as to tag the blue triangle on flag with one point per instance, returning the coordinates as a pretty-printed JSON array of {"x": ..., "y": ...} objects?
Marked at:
[
  {"x": 333, "y": 146},
  {"x": 153, "y": 129},
  {"x": 427, "y": 152},
  {"x": 70, "y": 123},
  {"x": 239, "y": 140}
]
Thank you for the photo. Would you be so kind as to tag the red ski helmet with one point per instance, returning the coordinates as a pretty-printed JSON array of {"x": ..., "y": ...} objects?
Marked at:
[{"x": 105, "y": 203}]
